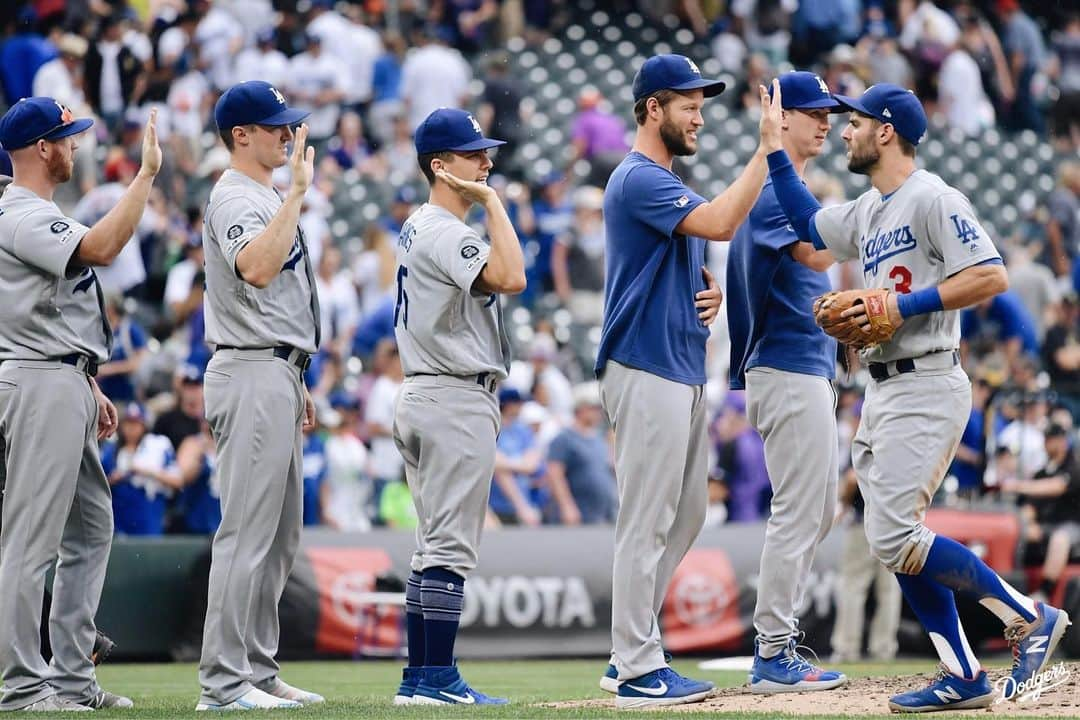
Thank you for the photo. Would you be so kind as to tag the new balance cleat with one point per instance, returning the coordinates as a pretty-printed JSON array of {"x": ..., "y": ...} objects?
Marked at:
[
  {"x": 946, "y": 692},
  {"x": 661, "y": 687},
  {"x": 410, "y": 678},
  {"x": 610, "y": 680},
  {"x": 106, "y": 700},
  {"x": 445, "y": 686},
  {"x": 1033, "y": 643},
  {"x": 281, "y": 689},
  {"x": 788, "y": 671},
  {"x": 253, "y": 699},
  {"x": 52, "y": 703}
]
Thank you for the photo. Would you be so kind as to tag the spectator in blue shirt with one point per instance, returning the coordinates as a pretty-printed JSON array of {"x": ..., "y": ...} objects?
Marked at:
[
  {"x": 116, "y": 377},
  {"x": 21, "y": 56},
  {"x": 1001, "y": 321},
  {"x": 141, "y": 468},
  {"x": 517, "y": 461},
  {"x": 554, "y": 214},
  {"x": 199, "y": 503},
  {"x": 314, "y": 477},
  {"x": 579, "y": 464}
]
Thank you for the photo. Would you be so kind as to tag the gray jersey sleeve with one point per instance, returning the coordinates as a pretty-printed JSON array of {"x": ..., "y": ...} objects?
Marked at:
[
  {"x": 839, "y": 229},
  {"x": 956, "y": 236},
  {"x": 47, "y": 239},
  {"x": 234, "y": 223},
  {"x": 461, "y": 258}
]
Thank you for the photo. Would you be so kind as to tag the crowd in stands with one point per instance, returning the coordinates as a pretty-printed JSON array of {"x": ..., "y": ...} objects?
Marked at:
[{"x": 369, "y": 75}]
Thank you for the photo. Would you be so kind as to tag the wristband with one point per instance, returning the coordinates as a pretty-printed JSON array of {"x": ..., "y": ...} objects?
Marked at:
[{"x": 919, "y": 302}]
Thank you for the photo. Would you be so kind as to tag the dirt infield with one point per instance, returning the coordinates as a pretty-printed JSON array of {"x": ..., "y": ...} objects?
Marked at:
[{"x": 869, "y": 696}]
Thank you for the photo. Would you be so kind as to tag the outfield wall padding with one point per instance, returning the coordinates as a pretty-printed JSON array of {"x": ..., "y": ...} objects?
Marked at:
[{"x": 536, "y": 592}]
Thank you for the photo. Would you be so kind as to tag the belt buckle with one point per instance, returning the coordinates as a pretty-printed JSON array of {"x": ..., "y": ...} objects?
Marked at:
[
  {"x": 91, "y": 367},
  {"x": 303, "y": 361}
]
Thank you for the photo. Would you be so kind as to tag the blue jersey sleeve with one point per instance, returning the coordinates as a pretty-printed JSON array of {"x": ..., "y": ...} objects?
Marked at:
[
  {"x": 769, "y": 225},
  {"x": 658, "y": 198}
]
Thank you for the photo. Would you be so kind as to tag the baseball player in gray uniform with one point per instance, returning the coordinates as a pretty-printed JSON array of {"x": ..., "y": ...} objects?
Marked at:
[
  {"x": 920, "y": 239},
  {"x": 262, "y": 318},
  {"x": 53, "y": 334},
  {"x": 453, "y": 346}
]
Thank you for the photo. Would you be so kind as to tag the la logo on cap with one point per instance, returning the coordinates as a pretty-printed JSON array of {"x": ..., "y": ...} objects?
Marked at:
[
  {"x": 278, "y": 95},
  {"x": 821, "y": 84},
  {"x": 693, "y": 66},
  {"x": 65, "y": 115},
  {"x": 475, "y": 125}
]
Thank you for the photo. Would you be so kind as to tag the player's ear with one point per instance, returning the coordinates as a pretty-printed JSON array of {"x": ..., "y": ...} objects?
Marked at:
[{"x": 653, "y": 106}]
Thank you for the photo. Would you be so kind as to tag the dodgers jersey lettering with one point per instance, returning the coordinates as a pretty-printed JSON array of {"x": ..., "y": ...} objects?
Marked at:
[
  {"x": 916, "y": 237},
  {"x": 51, "y": 306},
  {"x": 444, "y": 327},
  {"x": 238, "y": 314}
]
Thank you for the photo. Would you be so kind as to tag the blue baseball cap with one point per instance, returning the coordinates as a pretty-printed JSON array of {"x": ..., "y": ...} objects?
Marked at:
[
  {"x": 894, "y": 105},
  {"x": 448, "y": 129},
  {"x": 672, "y": 72},
  {"x": 254, "y": 102},
  {"x": 38, "y": 118},
  {"x": 803, "y": 90},
  {"x": 134, "y": 411}
]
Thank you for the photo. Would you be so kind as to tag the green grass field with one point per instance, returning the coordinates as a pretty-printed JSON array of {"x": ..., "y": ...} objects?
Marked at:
[{"x": 364, "y": 689}]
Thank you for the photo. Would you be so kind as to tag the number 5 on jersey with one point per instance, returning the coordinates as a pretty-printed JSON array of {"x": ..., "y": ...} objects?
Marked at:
[{"x": 401, "y": 310}]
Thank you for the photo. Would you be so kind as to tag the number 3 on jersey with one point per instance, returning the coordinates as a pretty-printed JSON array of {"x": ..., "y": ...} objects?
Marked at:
[
  {"x": 401, "y": 310},
  {"x": 902, "y": 277}
]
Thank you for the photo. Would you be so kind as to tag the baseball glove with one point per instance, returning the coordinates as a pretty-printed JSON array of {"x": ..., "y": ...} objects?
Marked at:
[{"x": 861, "y": 330}]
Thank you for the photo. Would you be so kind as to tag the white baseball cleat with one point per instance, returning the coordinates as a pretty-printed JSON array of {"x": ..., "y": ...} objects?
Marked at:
[
  {"x": 253, "y": 699},
  {"x": 281, "y": 689}
]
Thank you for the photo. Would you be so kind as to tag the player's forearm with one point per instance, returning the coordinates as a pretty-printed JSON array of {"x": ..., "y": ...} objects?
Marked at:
[
  {"x": 262, "y": 259},
  {"x": 797, "y": 202},
  {"x": 505, "y": 268},
  {"x": 805, "y": 253},
  {"x": 728, "y": 210},
  {"x": 973, "y": 285},
  {"x": 104, "y": 241}
]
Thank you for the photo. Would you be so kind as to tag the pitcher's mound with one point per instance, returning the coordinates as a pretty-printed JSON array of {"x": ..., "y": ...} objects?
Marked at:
[{"x": 870, "y": 696}]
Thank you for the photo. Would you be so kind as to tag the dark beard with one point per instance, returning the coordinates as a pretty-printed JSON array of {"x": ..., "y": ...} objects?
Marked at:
[
  {"x": 862, "y": 164},
  {"x": 674, "y": 140},
  {"x": 58, "y": 169}
]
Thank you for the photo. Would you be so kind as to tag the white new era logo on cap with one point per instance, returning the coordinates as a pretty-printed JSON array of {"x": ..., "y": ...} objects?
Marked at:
[{"x": 886, "y": 113}]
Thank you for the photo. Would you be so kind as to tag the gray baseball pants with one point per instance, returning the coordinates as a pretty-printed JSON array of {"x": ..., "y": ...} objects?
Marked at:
[
  {"x": 795, "y": 414},
  {"x": 661, "y": 465},
  {"x": 57, "y": 503},
  {"x": 255, "y": 407},
  {"x": 445, "y": 428}
]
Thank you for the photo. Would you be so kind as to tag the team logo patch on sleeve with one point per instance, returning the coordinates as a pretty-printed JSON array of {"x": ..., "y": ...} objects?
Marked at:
[
  {"x": 59, "y": 226},
  {"x": 469, "y": 251},
  {"x": 682, "y": 202},
  {"x": 234, "y": 232}
]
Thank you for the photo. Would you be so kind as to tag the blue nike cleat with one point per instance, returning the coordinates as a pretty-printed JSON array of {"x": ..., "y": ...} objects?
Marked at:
[
  {"x": 946, "y": 692},
  {"x": 788, "y": 671},
  {"x": 1033, "y": 643},
  {"x": 410, "y": 678},
  {"x": 610, "y": 681},
  {"x": 661, "y": 687},
  {"x": 444, "y": 686}
]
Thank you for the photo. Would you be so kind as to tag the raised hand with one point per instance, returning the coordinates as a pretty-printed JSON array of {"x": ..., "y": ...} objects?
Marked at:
[
  {"x": 302, "y": 161},
  {"x": 476, "y": 192},
  {"x": 771, "y": 117},
  {"x": 151, "y": 151}
]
